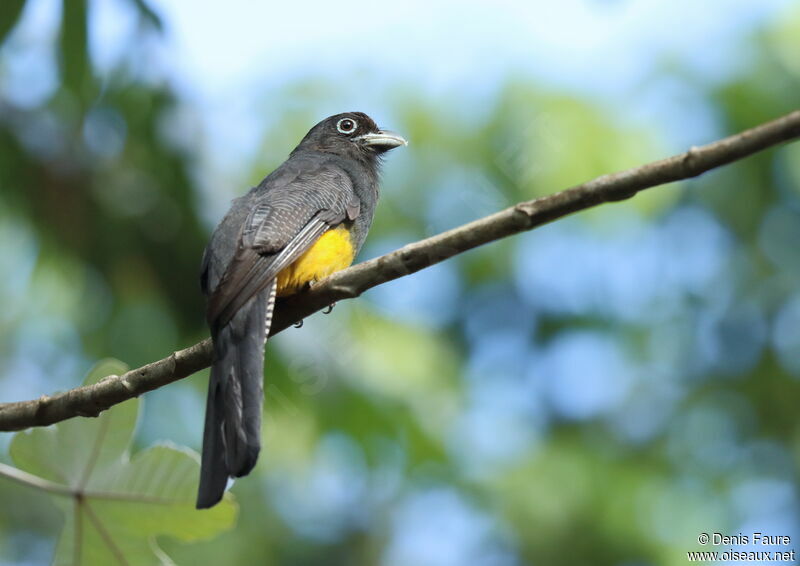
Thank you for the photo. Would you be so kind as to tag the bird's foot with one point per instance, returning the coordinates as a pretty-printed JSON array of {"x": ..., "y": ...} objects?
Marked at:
[
  {"x": 329, "y": 308},
  {"x": 299, "y": 323}
]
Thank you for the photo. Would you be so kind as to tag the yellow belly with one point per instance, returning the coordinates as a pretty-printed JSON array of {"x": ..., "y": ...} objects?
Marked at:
[{"x": 331, "y": 253}]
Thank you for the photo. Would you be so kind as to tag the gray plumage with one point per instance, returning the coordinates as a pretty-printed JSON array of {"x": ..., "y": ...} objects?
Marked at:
[{"x": 329, "y": 180}]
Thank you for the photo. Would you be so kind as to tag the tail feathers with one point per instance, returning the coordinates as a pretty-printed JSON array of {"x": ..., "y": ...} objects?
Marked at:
[
  {"x": 213, "y": 469},
  {"x": 232, "y": 434}
]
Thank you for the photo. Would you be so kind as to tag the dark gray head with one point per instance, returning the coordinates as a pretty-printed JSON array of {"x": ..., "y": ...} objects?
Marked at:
[{"x": 351, "y": 134}]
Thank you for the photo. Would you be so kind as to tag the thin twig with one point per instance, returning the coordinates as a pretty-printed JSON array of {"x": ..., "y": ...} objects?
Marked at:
[{"x": 92, "y": 399}]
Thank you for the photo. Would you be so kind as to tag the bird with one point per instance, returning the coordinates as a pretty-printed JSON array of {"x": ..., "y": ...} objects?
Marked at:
[{"x": 306, "y": 220}]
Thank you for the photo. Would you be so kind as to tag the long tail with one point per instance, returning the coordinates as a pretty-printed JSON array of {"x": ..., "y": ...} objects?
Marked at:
[{"x": 232, "y": 434}]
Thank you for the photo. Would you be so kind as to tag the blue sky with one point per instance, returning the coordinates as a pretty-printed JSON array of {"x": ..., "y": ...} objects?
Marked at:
[
  {"x": 228, "y": 57},
  {"x": 225, "y": 55},
  {"x": 601, "y": 44}
]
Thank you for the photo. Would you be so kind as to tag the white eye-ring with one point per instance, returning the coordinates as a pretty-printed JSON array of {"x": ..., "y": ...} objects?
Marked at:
[{"x": 346, "y": 125}]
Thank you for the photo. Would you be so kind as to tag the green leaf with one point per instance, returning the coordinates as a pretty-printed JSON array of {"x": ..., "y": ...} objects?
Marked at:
[
  {"x": 74, "y": 45},
  {"x": 69, "y": 453},
  {"x": 10, "y": 11},
  {"x": 116, "y": 504}
]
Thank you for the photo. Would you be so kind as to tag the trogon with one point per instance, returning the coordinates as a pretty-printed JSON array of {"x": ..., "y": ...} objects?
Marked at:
[{"x": 304, "y": 221}]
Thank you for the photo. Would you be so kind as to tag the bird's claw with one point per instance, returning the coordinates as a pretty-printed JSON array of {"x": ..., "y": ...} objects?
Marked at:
[
  {"x": 299, "y": 323},
  {"x": 329, "y": 308}
]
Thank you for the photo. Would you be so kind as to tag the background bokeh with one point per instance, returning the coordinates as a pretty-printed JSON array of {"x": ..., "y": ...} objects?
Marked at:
[{"x": 598, "y": 391}]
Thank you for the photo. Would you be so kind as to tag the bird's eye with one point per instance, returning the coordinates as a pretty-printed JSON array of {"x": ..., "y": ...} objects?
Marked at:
[{"x": 346, "y": 125}]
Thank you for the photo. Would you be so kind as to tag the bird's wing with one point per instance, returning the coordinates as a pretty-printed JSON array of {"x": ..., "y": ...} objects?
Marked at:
[{"x": 288, "y": 215}]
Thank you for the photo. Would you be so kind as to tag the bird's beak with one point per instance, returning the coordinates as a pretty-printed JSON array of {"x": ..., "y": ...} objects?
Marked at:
[{"x": 383, "y": 139}]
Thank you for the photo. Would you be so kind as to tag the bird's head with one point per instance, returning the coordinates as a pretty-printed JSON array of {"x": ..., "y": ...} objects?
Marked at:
[{"x": 351, "y": 134}]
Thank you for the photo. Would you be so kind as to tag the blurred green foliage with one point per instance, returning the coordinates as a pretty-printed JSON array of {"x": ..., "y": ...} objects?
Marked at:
[{"x": 599, "y": 391}]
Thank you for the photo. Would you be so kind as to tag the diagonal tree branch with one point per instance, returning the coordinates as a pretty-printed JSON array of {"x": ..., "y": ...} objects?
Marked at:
[{"x": 90, "y": 400}]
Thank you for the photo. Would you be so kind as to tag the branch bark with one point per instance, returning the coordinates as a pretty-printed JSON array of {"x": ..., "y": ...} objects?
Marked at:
[{"x": 350, "y": 283}]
